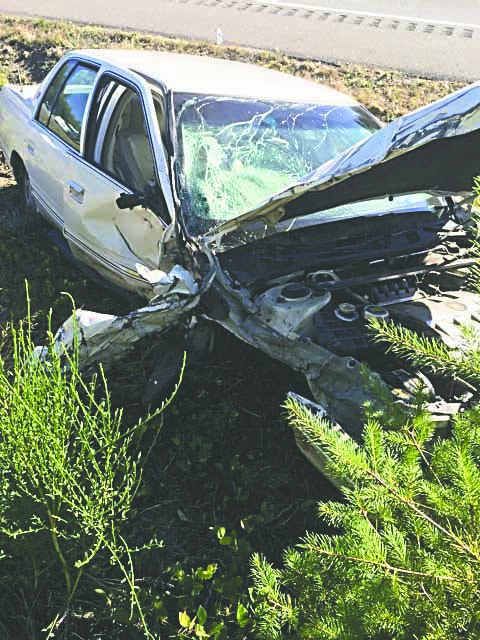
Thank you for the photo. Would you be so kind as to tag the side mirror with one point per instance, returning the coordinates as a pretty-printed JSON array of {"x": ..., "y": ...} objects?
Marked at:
[
  {"x": 131, "y": 200},
  {"x": 150, "y": 198}
]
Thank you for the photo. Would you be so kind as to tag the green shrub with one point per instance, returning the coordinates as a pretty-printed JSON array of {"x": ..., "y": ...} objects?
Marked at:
[
  {"x": 403, "y": 557},
  {"x": 69, "y": 473},
  {"x": 3, "y": 77}
]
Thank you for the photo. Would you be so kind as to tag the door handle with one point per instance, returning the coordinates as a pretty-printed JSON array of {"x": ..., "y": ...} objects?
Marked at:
[
  {"x": 30, "y": 148},
  {"x": 76, "y": 191}
]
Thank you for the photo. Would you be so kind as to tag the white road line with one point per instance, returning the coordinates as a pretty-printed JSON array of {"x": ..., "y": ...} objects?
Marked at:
[{"x": 368, "y": 14}]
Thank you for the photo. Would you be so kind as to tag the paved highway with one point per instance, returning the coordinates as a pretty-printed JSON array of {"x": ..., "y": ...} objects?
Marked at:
[{"x": 431, "y": 37}]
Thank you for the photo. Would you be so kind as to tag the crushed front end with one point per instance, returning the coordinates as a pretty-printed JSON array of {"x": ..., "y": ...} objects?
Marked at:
[{"x": 307, "y": 298}]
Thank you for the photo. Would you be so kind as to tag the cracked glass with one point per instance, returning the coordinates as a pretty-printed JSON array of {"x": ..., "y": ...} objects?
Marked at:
[{"x": 234, "y": 153}]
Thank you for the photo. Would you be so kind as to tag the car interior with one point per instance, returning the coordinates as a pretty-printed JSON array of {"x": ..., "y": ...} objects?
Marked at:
[{"x": 127, "y": 153}]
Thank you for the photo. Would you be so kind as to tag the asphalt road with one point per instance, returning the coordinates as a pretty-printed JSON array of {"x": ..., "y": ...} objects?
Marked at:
[{"x": 430, "y": 37}]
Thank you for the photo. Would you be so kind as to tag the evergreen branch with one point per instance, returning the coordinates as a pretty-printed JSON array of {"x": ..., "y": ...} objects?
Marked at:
[
  {"x": 385, "y": 565},
  {"x": 413, "y": 440},
  {"x": 427, "y": 352},
  {"x": 421, "y": 514},
  {"x": 351, "y": 455}
]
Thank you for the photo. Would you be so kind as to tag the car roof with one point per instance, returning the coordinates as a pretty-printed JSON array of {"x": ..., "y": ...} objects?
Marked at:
[{"x": 184, "y": 73}]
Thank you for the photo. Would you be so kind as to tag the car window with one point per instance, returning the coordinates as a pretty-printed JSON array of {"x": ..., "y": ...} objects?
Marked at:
[
  {"x": 52, "y": 91},
  {"x": 66, "y": 118},
  {"x": 235, "y": 153},
  {"x": 126, "y": 152}
]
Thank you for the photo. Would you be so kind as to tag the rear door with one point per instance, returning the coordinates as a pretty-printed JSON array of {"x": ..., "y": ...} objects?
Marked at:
[
  {"x": 56, "y": 134},
  {"x": 118, "y": 158}
]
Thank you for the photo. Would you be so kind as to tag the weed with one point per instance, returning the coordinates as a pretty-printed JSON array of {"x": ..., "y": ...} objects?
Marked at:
[
  {"x": 69, "y": 473},
  {"x": 3, "y": 77}
]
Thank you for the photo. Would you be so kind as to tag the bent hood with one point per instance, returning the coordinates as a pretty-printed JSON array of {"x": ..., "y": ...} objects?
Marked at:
[{"x": 433, "y": 149}]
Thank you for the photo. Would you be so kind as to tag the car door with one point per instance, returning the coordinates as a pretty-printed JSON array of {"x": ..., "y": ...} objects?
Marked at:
[
  {"x": 118, "y": 158},
  {"x": 56, "y": 133}
]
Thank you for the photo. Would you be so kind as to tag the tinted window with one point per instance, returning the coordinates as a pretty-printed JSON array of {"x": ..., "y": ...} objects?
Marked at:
[
  {"x": 67, "y": 114},
  {"x": 52, "y": 92}
]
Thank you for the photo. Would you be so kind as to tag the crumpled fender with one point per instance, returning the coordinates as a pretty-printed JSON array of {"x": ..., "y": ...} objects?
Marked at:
[
  {"x": 105, "y": 337},
  {"x": 337, "y": 383}
]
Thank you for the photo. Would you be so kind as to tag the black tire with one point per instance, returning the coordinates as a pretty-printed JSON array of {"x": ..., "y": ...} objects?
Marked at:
[{"x": 27, "y": 201}]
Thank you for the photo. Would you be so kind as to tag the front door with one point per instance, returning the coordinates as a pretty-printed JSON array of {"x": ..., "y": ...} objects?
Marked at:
[{"x": 119, "y": 159}]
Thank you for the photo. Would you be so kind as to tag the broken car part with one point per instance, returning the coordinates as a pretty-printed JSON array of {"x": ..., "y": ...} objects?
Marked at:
[{"x": 273, "y": 207}]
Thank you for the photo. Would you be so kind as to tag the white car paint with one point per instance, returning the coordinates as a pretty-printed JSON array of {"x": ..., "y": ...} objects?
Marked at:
[
  {"x": 185, "y": 73},
  {"x": 79, "y": 197}
]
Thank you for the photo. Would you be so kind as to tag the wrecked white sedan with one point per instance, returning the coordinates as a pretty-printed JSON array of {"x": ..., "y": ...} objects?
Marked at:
[{"x": 279, "y": 209}]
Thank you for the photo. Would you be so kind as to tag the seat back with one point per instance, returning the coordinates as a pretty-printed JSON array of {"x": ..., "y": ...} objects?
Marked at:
[{"x": 133, "y": 157}]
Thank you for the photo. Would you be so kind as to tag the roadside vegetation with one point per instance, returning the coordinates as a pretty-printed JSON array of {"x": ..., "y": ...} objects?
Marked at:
[
  {"x": 30, "y": 48},
  {"x": 401, "y": 558},
  {"x": 69, "y": 472},
  {"x": 111, "y": 527}
]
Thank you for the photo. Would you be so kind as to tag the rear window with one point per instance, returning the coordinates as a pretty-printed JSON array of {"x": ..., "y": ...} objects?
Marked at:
[{"x": 65, "y": 116}]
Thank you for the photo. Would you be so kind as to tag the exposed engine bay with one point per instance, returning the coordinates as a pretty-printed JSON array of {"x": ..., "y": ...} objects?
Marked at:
[
  {"x": 421, "y": 288},
  {"x": 335, "y": 311},
  {"x": 306, "y": 299}
]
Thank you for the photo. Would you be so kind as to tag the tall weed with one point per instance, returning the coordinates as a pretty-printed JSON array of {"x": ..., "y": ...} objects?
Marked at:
[{"x": 69, "y": 472}]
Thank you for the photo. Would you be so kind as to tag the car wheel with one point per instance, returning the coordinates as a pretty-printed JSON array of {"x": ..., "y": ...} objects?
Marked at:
[{"x": 27, "y": 201}]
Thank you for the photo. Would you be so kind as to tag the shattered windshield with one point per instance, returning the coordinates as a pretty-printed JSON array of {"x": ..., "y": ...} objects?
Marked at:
[{"x": 234, "y": 153}]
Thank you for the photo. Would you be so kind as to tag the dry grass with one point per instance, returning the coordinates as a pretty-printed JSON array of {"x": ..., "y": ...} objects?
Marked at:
[{"x": 30, "y": 47}]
